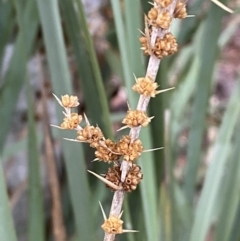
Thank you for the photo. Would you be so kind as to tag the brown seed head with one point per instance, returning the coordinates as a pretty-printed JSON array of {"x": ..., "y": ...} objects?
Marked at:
[
  {"x": 107, "y": 151},
  {"x": 70, "y": 101},
  {"x": 153, "y": 14},
  {"x": 180, "y": 10},
  {"x": 71, "y": 122},
  {"x": 146, "y": 86},
  {"x": 166, "y": 46},
  {"x": 113, "y": 225},
  {"x": 133, "y": 177},
  {"x": 113, "y": 175},
  {"x": 163, "y": 3},
  {"x": 130, "y": 150},
  {"x": 163, "y": 20},
  {"x": 91, "y": 135},
  {"x": 144, "y": 42},
  {"x": 136, "y": 118}
]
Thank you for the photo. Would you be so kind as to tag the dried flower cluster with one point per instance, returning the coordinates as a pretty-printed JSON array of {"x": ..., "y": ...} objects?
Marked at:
[
  {"x": 145, "y": 86},
  {"x": 160, "y": 17},
  {"x": 136, "y": 118},
  {"x": 128, "y": 148},
  {"x": 180, "y": 10},
  {"x": 133, "y": 177},
  {"x": 90, "y": 134},
  {"x": 113, "y": 225}
]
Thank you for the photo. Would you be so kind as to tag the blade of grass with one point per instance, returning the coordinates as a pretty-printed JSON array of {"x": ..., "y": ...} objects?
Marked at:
[
  {"x": 93, "y": 85},
  {"x": 124, "y": 50},
  {"x": 35, "y": 196},
  {"x": 148, "y": 188},
  {"x": 74, "y": 158},
  {"x": 16, "y": 73},
  {"x": 6, "y": 26},
  {"x": 36, "y": 217},
  {"x": 230, "y": 195},
  {"x": 133, "y": 17},
  {"x": 211, "y": 190},
  {"x": 7, "y": 231},
  {"x": 208, "y": 55}
]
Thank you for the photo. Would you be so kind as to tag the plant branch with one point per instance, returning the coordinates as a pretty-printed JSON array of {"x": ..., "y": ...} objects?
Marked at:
[{"x": 152, "y": 69}]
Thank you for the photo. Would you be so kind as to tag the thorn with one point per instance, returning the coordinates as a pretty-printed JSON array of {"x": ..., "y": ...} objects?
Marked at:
[
  {"x": 122, "y": 128},
  {"x": 135, "y": 77},
  {"x": 154, "y": 149},
  {"x": 129, "y": 108},
  {"x": 120, "y": 215},
  {"x": 86, "y": 119},
  {"x": 112, "y": 185},
  {"x": 130, "y": 231},
  {"x": 103, "y": 213},
  {"x": 59, "y": 127},
  {"x": 221, "y": 5},
  {"x": 151, "y": 3},
  {"x": 151, "y": 117},
  {"x": 161, "y": 91},
  {"x": 58, "y": 100},
  {"x": 73, "y": 140},
  {"x": 141, "y": 32},
  {"x": 191, "y": 16},
  {"x": 96, "y": 159}
]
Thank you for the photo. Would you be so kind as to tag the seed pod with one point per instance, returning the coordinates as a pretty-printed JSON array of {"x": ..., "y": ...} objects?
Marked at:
[
  {"x": 180, "y": 10},
  {"x": 153, "y": 14},
  {"x": 163, "y": 20},
  {"x": 130, "y": 150},
  {"x": 163, "y": 3},
  {"x": 166, "y": 46},
  {"x": 106, "y": 151},
  {"x": 132, "y": 179},
  {"x": 136, "y": 118},
  {"x": 90, "y": 134},
  {"x": 70, "y": 101},
  {"x": 72, "y": 121},
  {"x": 146, "y": 86},
  {"x": 113, "y": 225}
]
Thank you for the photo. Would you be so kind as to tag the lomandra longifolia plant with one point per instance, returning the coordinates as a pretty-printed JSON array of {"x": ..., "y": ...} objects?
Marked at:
[{"x": 123, "y": 176}]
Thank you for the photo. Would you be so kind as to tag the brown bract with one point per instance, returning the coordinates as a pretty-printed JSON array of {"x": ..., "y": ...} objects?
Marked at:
[
  {"x": 71, "y": 122},
  {"x": 90, "y": 134},
  {"x": 113, "y": 225},
  {"x": 130, "y": 150},
  {"x": 136, "y": 118},
  {"x": 70, "y": 101}
]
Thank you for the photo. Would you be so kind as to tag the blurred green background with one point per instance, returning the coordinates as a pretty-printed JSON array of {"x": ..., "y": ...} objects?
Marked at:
[{"x": 190, "y": 190}]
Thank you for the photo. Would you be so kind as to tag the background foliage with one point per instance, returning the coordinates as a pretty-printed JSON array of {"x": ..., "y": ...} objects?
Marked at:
[{"x": 190, "y": 190}]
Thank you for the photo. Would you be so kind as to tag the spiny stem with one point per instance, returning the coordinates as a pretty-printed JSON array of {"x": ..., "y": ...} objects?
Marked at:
[{"x": 152, "y": 69}]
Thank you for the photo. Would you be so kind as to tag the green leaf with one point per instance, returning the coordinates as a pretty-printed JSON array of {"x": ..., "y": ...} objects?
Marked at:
[
  {"x": 230, "y": 197},
  {"x": 207, "y": 56},
  {"x": 91, "y": 76},
  {"x": 212, "y": 187},
  {"x": 35, "y": 212},
  {"x": 15, "y": 75},
  {"x": 74, "y": 158}
]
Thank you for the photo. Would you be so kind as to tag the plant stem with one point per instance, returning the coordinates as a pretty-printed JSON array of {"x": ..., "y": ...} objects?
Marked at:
[{"x": 152, "y": 69}]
